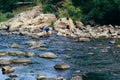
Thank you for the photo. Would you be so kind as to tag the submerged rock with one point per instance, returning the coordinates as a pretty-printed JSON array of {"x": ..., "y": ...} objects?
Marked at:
[
  {"x": 49, "y": 55},
  {"x": 62, "y": 66},
  {"x": 7, "y": 69}
]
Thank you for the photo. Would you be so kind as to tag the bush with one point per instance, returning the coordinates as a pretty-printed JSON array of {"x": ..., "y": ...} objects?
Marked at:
[
  {"x": 52, "y": 24},
  {"x": 69, "y": 10},
  {"x": 9, "y": 15}
]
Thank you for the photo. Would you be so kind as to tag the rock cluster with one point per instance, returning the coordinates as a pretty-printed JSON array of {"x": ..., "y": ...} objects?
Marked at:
[{"x": 28, "y": 22}]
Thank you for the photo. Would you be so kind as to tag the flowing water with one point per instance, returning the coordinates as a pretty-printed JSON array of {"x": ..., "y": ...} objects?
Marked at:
[{"x": 96, "y": 60}]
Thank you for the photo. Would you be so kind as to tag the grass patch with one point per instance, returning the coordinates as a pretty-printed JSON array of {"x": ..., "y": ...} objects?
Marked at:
[{"x": 3, "y": 17}]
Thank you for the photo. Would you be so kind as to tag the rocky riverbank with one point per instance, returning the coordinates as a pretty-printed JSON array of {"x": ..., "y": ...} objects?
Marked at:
[{"x": 32, "y": 22}]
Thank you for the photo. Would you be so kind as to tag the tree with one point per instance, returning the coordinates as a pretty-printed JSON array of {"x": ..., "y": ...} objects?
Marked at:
[
  {"x": 101, "y": 11},
  {"x": 7, "y": 5}
]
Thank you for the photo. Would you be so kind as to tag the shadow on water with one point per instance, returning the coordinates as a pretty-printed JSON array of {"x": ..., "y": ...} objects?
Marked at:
[{"x": 94, "y": 76}]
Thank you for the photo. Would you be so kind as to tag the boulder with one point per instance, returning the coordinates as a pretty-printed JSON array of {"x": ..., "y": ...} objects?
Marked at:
[
  {"x": 7, "y": 69},
  {"x": 61, "y": 66},
  {"x": 62, "y": 22},
  {"x": 79, "y": 25},
  {"x": 49, "y": 55}
]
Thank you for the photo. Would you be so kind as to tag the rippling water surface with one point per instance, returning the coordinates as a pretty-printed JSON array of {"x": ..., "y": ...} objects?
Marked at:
[{"x": 96, "y": 60}]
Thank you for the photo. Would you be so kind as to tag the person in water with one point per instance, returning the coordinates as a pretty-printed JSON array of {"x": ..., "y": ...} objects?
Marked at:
[{"x": 46, "y": 30}]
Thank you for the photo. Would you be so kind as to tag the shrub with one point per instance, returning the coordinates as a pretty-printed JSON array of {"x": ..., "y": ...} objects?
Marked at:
[{"x": 9, "y": 15}]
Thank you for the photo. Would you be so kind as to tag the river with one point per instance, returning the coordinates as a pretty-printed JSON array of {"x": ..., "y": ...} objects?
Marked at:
[{"x": 96, "y": 60}]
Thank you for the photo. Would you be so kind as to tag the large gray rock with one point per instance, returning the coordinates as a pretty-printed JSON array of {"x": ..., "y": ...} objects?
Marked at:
[
  {"x": 49, "y": 55},
  {"x": 62, "y": 66}
]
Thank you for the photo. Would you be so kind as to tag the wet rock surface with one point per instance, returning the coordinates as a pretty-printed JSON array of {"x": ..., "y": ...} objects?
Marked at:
[
  {"x": 48, "y": 55},
  {"x": 62, "y": 66}
]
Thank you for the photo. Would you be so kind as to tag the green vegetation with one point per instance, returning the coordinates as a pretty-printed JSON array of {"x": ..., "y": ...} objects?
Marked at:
[
  {"x": 98, "y": 11},
  {"x": 117, "y": 41}
]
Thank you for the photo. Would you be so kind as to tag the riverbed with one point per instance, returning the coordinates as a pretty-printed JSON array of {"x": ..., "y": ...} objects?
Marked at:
[{"x": 95, "y": 60}]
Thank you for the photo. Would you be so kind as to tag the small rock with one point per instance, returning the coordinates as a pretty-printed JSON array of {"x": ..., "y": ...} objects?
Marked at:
[
  {"x": 67, "y": 56},
  {"x": 61, "y": 66},
  {"x": 91, "y": 53},
  {"x": 77, "y": 78},
  {"x": 35, "y": 36},
  {"x": 60, "y": 78},
  {"x": 77, "y": 71},
  {"x": 34, "y": 44},
  {"x": 16, "y": 53},
  {"x": 40, "y": 77},
  {"x": 68, "y": 49},
  {"x": 49, "y": 55},
  {"x": 84, "y": 39},
  {"x": 29, "y": 54},
  {"x": 4, "y": 62},
  {"x": 20, "y": 61},
  {"x": 7, "y": 69},
  {"x": 118, "y": 46},
  {"x": 112, "y": 42},
  {"x": 42, "y": 48},
  {"x": 14, "y": 45}
]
